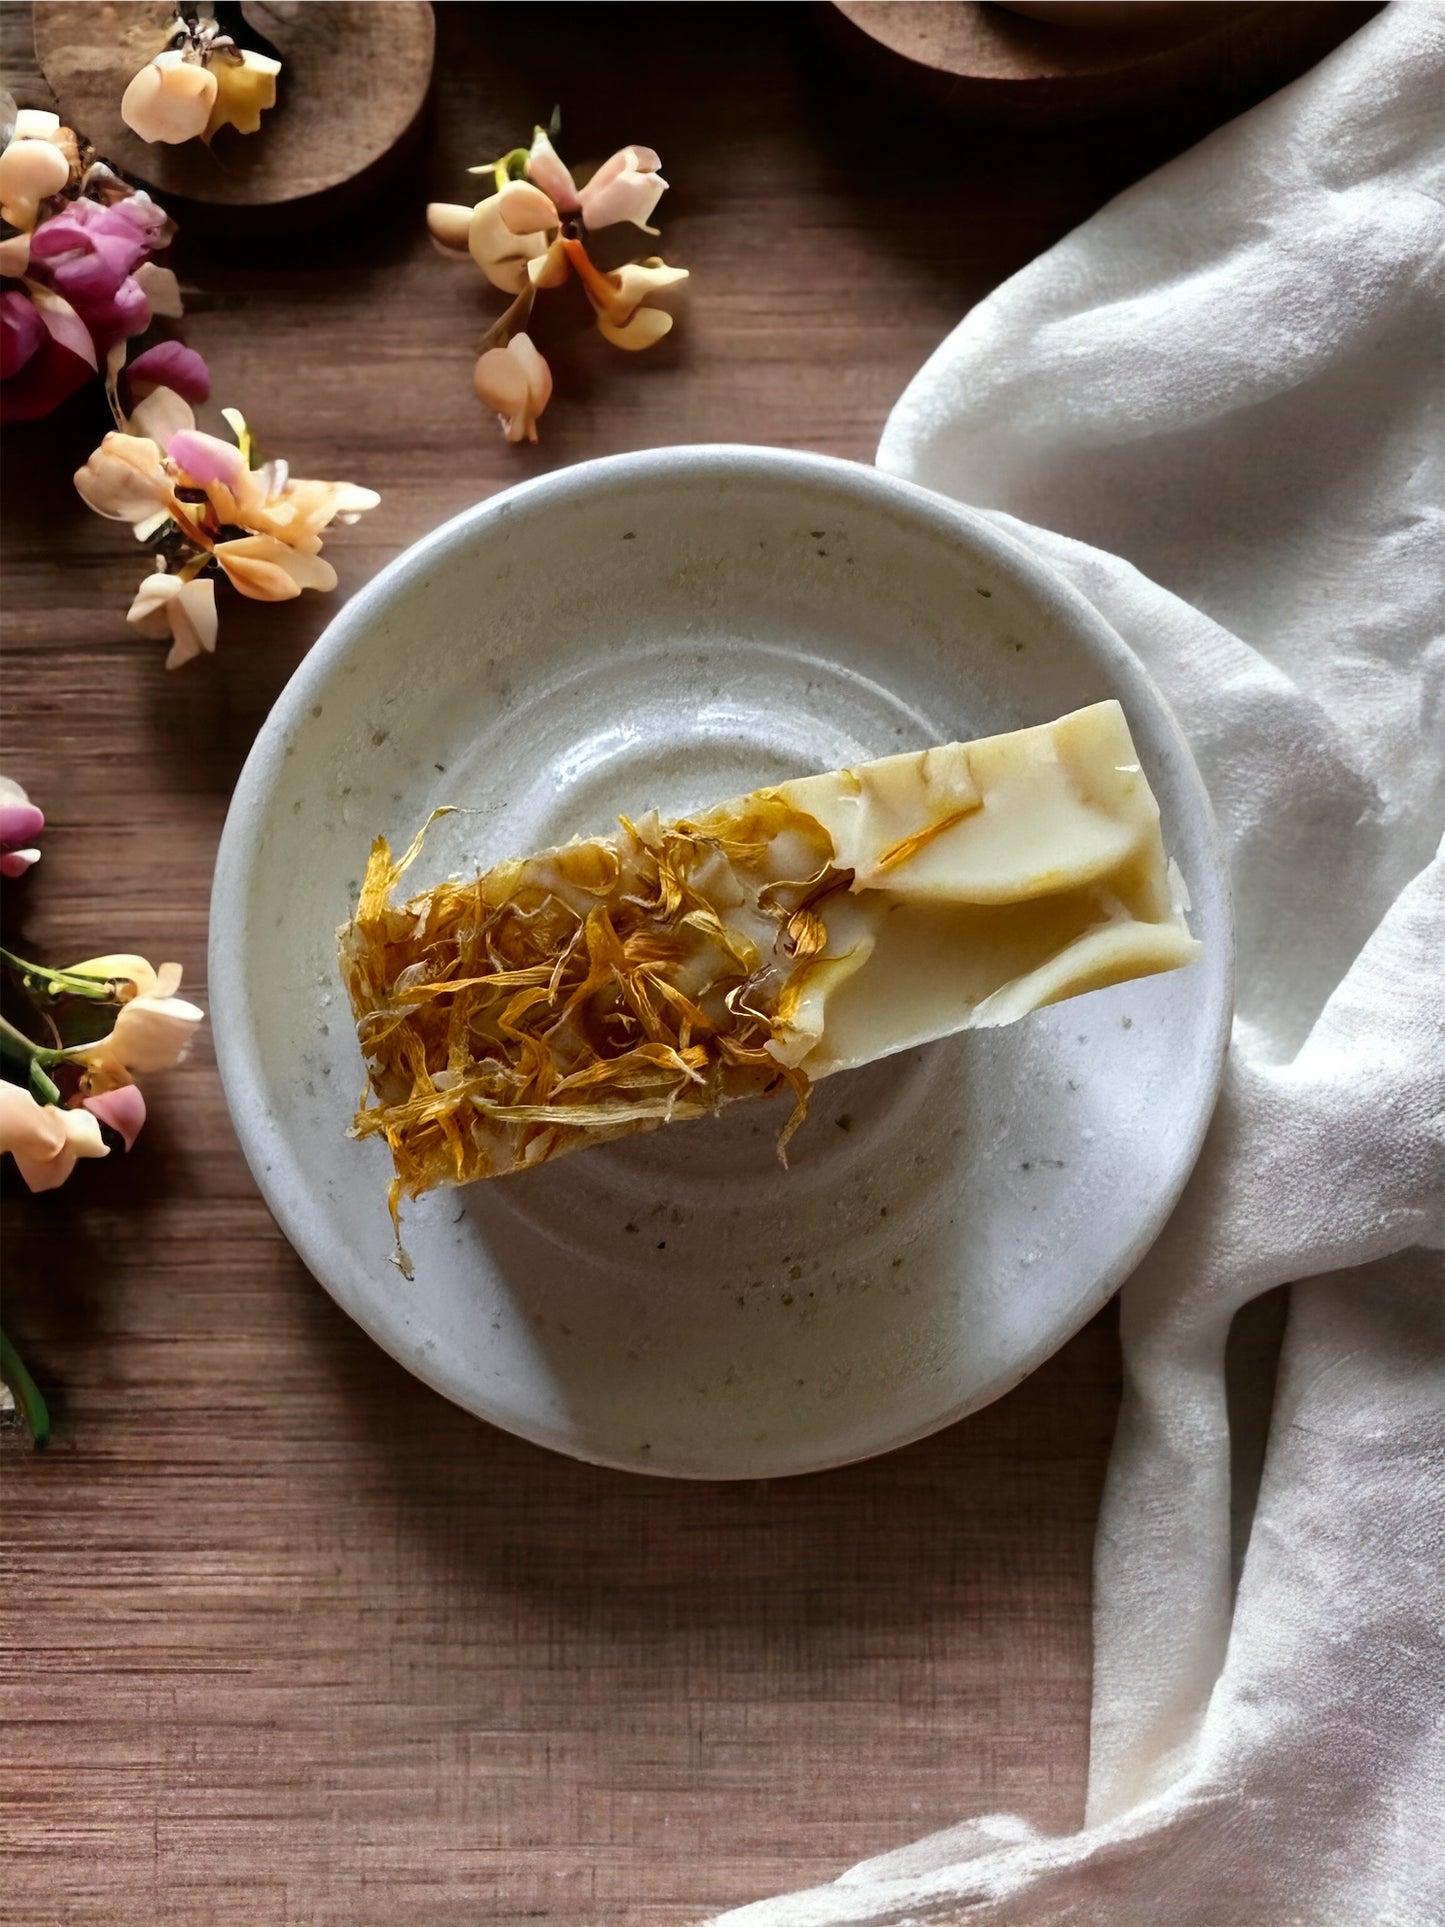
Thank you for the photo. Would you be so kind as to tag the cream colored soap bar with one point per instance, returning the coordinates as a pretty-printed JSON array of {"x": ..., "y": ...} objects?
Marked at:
[
  {"x": 621, "y": 982},
  {"x": 989, "y": 878}
]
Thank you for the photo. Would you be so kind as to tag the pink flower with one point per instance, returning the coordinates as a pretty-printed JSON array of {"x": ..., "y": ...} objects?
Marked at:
[
  {"x": 89, "y": 284},
  {"x": 20, "y": 824},
  {"x": 627, "y": 187},
  {"x": 89, "y": 253}
]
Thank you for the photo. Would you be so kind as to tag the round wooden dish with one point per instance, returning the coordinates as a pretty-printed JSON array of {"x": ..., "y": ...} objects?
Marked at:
[
  {"x": 1076, "y": 63},
  {"x": 353, "y": 86}
]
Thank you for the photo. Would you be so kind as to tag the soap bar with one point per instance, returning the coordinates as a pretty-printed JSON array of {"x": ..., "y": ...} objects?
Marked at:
[{"x": 617, "y": 983}]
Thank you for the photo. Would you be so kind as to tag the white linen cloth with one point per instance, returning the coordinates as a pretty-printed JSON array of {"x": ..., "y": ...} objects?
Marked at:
[{"x": 1228, "y": 384}]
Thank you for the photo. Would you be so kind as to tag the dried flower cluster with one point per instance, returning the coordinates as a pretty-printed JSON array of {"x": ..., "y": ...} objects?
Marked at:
[
  {"x": 601, "y": 988},
  {"x": 529, "y": 234},
  {"x": 209, "y": 508},
  {"x": 201, "y": 82},
  {"x": 78, "y": 259},
  {"x": 72, "y": 1044}
]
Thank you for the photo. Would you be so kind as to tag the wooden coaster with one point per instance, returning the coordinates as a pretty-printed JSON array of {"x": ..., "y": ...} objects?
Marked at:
[
  {"x": 353, "y": 85},
  {"x": 1051, "y": 62}
]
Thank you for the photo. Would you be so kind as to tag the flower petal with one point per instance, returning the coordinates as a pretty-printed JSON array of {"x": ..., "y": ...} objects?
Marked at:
[
  {"x": 194, "y": 628},
  {"x": 31, "y": 170},
  {"x": 171, "y": 364},
  {"x": 27, "y": 1128},
  {"x": 123, "y": 1111},
  {"x": 22, "y": 332},
  {"x": 186, "y": 612},
  {"x": 517, "y": 383},
  {"x": 149, "y": 1034},
  {"x": 245, "y": 88},
  {"x": 647, "y": 326},
  {"x": 549, "y": 270},
  {"x": 546, "y": 169},
  {"x": 204, "y": 459},
  {"x": 63, "y": 324},
  {"x": 20, "y": 824},
  {"x": 448, "y": 224},
  {"x": 160, "y": 416},
  {"x": 525, "y": 209},
  {"x": 124, "y": 479},
  {"x": 163, "y": 297},
  {"x": 500, "y": 253},
  {"x": 268, "y": 570},
  {"x": 169, "y": 100},
  {"x": 15, "y": 255},
  {"x": 627, "y": 187},
  {"x": 121, "y": 966}
]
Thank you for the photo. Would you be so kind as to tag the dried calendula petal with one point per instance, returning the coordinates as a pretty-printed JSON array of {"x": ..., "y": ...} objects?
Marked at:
[{"x": 622, "y": 982}]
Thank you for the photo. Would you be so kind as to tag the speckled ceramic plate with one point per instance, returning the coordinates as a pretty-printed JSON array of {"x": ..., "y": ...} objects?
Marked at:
[{"x": 670, "y": 629}]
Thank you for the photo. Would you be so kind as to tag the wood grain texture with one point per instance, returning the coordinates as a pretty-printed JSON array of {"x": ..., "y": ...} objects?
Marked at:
[{"x": 286, "y": 1638}]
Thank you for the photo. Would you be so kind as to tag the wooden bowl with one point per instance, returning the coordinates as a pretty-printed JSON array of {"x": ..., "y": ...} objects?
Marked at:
[
  {"x": 353, "y": 86},
  {"x": 1040, "y": 61}
]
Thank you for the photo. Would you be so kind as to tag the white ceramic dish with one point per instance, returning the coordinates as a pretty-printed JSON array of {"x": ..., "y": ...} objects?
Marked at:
[{"x": 673, "y": 628}]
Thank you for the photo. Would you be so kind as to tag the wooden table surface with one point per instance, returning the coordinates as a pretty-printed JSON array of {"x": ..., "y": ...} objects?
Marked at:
[{"x": 287, "y": 1638}]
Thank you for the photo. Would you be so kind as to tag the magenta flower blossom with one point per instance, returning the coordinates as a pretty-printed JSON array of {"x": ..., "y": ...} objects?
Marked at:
[
  {"x": 84, "y": 280},
  {"x": 45, "y": 354},
  {"x": 89, "y": 254},
  {"x": 20, "y": 824}
]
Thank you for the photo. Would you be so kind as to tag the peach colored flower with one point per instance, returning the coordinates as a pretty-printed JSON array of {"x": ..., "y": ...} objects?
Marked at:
[
  {"x": 626, "y": 187},
  {"x": 35, "y": 164},
  {"x": 527, "y": 236},
  {"x": 132, "y": 975},
  {"x": 517, "y": 383},
  {"x": 508, "y": 230},
  {"x": 183, "y": 609},
  {"x": 619, "y": 298},
  {"x": 150, "y": 1033},
  {"x": 126, "y": 480},
  {"x": 269, "y": 570},
  {"x": 176, "y": 474},
  {"x": 171, "y": 98},
  {"x": 44, "y": 1140}
]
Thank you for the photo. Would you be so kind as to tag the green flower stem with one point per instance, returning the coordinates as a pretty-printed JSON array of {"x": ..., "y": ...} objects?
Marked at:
[
  {"x": 25, "y": 1391},
  {"x": 62, "y": 982},
  {"x": 45, "y": 1087},
  {"x": 16, "y": 1045}
]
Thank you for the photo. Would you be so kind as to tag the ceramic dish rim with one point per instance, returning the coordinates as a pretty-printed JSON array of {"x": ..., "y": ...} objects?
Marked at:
[{"x": 241, "y": 1081}]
